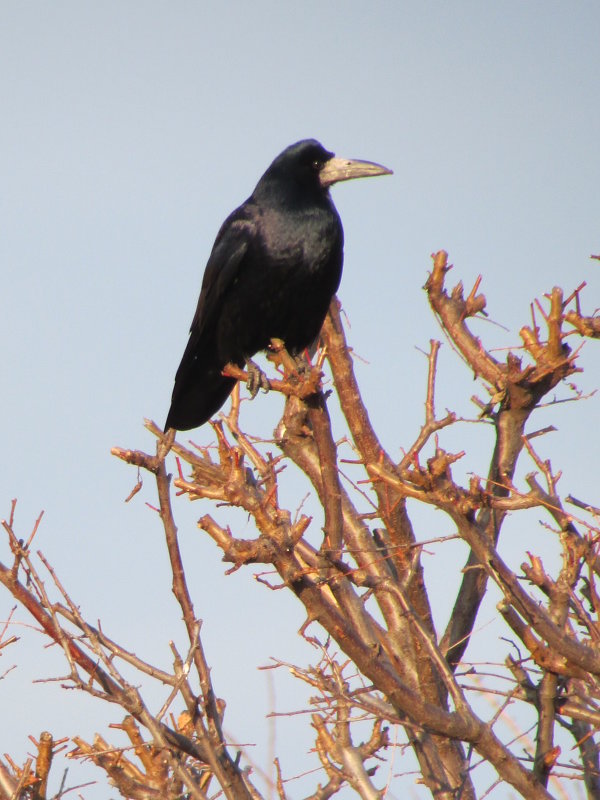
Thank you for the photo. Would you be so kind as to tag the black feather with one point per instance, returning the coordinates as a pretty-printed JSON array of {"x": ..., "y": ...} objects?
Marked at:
[{"x": 274, "y": 267}]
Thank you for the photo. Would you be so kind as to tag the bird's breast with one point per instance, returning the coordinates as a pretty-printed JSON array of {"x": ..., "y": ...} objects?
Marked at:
[
  {"x": 306, "y": 239},
  {"x": 284, "y": 287}
]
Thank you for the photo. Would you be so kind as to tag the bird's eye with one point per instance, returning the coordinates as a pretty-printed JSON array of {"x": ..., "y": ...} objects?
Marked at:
[{"x": 316, "y": 165}]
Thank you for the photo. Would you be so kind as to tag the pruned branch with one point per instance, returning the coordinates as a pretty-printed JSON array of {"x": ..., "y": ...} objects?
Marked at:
[{"x": 356, "y": 569}]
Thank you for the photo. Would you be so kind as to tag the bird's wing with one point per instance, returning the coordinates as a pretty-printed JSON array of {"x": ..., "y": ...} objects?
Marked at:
[
  {"x": 200, "y": 388},
  {"x": 222, "y": 268}
]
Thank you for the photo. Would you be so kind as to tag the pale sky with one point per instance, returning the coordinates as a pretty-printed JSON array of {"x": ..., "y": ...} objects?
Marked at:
[{"x": 129, "y": 132}]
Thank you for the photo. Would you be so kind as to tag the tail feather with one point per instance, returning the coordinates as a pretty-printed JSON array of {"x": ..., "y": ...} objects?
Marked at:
[{"x": 197, "y": 397}]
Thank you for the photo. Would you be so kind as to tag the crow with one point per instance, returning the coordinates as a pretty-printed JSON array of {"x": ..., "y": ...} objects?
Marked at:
[{"x": 274, "y": 267}]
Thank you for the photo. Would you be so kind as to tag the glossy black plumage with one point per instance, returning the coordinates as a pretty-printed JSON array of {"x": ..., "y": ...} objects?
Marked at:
[{"x": 274, "y": 267}]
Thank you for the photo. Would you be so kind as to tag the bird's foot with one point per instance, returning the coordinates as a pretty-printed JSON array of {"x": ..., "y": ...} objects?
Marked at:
[
  {"x": 297, "y": 364},
  {"x": 256, "y": 379},
  {"x": 302, "y": 362}
]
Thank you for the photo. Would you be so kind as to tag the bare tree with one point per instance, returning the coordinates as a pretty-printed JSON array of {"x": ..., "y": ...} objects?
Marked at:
[{"x": 381, "y": 661}]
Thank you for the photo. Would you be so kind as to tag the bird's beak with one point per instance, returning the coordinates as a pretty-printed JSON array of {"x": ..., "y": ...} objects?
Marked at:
[{"x": 345, "y": 169}]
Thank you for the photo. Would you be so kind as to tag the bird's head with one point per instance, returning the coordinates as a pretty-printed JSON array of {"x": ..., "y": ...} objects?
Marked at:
[{"x": 308, "y": 164}]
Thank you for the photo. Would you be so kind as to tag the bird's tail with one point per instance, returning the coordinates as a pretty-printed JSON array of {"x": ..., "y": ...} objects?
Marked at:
[{"x": 196, "y": 397}]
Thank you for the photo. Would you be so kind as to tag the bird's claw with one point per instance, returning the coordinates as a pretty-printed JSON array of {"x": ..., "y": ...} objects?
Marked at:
[
  {"x": 256, "y": 379},
  {"x": 303, "y": 365}
]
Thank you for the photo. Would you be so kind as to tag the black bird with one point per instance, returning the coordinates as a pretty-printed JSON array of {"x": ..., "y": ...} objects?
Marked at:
[{"x": 274, "y": 267}]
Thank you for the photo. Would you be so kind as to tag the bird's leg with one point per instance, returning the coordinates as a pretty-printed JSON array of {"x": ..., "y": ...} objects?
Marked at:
[
  {"x": 256, "y": 379},
  {"x": 303, "y": 362},
  {"x": 292, "y": 363}
]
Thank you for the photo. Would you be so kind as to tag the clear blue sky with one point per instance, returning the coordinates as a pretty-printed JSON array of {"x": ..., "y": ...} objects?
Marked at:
[{"x": 129, "y": 131}]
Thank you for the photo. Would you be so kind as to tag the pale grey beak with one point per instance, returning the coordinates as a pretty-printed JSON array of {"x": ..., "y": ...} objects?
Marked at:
[{"x": 345, "y": 169}]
